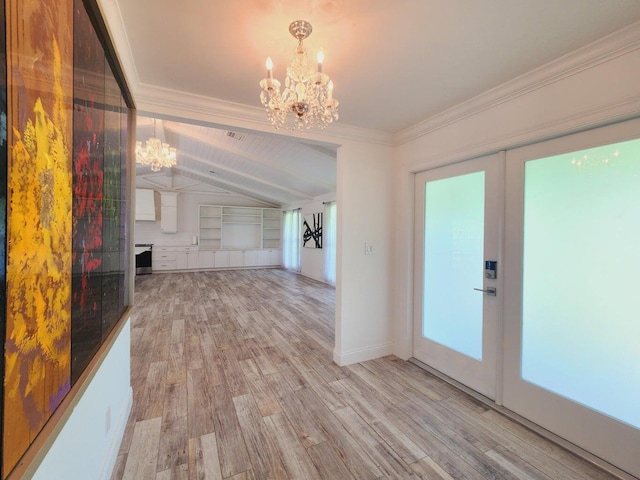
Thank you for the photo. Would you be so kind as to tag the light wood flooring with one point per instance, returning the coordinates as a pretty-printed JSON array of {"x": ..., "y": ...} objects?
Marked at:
[{"x": 233, "y": 378}]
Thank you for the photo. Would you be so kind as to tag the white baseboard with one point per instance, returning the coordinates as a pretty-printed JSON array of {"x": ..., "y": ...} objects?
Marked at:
[
  {"x": 362, "y": 354},
  {"x": 116, "y": 439}
]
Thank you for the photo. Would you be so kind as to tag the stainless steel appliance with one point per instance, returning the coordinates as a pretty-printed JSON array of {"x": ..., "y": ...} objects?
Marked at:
[{"x": 144, "y": 257}]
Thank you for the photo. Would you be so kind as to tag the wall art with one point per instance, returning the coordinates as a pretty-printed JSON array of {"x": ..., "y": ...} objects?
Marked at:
[
  {"x": 312, "y": 231},
  {"x": 64, "y": 239}
]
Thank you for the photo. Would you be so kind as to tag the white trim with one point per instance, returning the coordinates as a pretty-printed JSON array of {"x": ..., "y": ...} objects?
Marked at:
[
  {"x": 600, "y": 51},
  {"x": 362, "y": 354},
  {"x": 177, "y": 104},
  {"x": 115, "y": 25},
  {"x": 116, "y": 439},
  {"x": 183, "y": 105},
  {"x": 173, "y": 103}
]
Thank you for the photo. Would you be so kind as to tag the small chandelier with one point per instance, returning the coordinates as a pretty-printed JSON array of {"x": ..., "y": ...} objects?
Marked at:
[
  {"x": 155, "y": 153},
  {"x": 307, "y": 94}
]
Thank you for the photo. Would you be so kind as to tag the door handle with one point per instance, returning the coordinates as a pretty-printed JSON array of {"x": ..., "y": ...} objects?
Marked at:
[{"x": 490, "y": 291}]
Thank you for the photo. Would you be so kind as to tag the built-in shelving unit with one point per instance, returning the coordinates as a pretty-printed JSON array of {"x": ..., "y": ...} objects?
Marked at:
[
  {"x": 210, "y": 227},
  {"x": 271, "y": 228},
  {"x": 239, "y": 228}
]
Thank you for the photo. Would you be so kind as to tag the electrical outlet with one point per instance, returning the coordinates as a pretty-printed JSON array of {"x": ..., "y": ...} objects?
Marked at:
[{"x": 368, "y": 248}]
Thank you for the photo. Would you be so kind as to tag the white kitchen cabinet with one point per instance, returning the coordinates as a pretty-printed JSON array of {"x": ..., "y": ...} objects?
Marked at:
[
  {"x": 168, "y": 212},
  {"x": 178, "y": 258},
  {"x": 229, "y": 236},
  {"x": 181, "y": 261},
  {"x": 221, "y": 259},
  {"x": 250, "y": 258},
  {"x": 192, "y": 258},
  {"x": 240, "y": 236},
  {"x": 236, "y": 258},
  {"x": 186, "y": 258},
  {"x": 145, "y": 205},
  {"x": 275, "y": 257},
  {"x": 206, "y": 259},
  {"x": 163, "y": 258},
  {"x": 169, "y": 220},
  {"x": 163, "y": 265},
  {"x": 269, "y": 258},
  {"x": 263, "y": 258}
]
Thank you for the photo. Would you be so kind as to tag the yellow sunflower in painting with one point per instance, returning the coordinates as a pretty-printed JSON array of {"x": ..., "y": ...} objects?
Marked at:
[{"x": 37, "y": 349}]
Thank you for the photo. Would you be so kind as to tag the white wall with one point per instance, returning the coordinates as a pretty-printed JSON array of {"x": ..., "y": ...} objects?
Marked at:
[
  {"x": 87, "y": 445},
  {"x": 363, "y": 287},
  {"x": 149, "y": 232},
  {"x": 591, "y": 87}
]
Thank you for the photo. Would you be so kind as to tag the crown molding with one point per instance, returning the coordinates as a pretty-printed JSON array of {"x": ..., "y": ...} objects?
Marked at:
[
  {"x": 187, "y": 106},
  {"x": 624, "y": 109},
  {"x": 112, "y": 16},
  {"x": 610, "y": 47},
  {"x": 200, "y": 108},
  {"x": 207, "y": 110}
]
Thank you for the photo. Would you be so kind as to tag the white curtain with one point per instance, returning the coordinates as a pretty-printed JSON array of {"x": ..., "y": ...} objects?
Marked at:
[
  {"x": 291, "y": 240},
  {"x": 329, "y": 242}
]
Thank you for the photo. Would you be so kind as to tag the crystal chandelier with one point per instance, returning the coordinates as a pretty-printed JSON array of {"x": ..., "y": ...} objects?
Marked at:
[
  {"x": 307, "y": 98},
  {"x": 155, "y": 153}
]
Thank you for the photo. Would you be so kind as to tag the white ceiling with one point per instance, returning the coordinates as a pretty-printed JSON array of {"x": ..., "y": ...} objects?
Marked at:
[
  {"x": 270, "y": 169},
  {"x": 394, "y": 63}
]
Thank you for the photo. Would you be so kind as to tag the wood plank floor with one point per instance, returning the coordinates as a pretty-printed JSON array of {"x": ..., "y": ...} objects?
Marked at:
[{"x": 233, "y": 378}]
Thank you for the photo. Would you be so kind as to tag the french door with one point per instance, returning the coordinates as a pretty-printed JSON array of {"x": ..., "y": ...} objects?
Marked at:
[
  {"x": 558, "y": 343},
  {"x": 572, "y": 309},
  {"x": 457, "y": 278}
]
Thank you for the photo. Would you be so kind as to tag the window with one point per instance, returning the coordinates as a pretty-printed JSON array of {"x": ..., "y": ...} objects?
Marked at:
[
  {"x": 291, "y": 240},
  {"x": 329, "y": 242}
]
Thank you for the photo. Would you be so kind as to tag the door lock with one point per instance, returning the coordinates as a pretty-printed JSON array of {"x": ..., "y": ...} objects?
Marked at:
[
  {"x": 490, "y": 291},
  {"x": 491, "y": 269}
]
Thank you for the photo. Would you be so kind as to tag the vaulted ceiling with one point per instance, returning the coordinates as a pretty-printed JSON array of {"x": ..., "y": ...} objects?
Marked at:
[
  {"x": 270, "y": 169},
  {"x": 393, "y": 64}
]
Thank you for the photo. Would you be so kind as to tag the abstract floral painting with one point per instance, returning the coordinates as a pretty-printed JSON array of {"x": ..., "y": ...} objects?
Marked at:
[
  {"x": 88, "y": 185},
  {"x": 38, "y": 270},
  {"x": 63, "y": 135}
]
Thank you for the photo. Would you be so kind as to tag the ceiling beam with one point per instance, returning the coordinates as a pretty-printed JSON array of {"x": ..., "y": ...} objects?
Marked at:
[
  {"x": 148, "y": 178},
  {"x": 145, "y": 178},
  {"x": 187, "y": 131},
  {"x": 220, "y": 167},
  {"x": 207, "y": 178}
]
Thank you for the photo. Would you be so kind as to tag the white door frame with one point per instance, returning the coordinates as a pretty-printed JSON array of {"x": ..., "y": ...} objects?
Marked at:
[{"x": 488, "y": 379}]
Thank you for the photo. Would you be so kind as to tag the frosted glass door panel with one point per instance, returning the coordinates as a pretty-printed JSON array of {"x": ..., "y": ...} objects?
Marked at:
[
  {"x": 453, "y": 262},
  {"x": 581, "y": 261},
  {"x": 455, "y": 328}
]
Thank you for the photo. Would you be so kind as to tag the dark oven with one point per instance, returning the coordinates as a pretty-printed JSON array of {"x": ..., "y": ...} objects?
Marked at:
[{"x": 143, "y": 258}]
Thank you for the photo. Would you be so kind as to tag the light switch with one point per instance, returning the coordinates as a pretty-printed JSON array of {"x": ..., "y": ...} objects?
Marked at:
[{"x": 368, "y": 248}]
